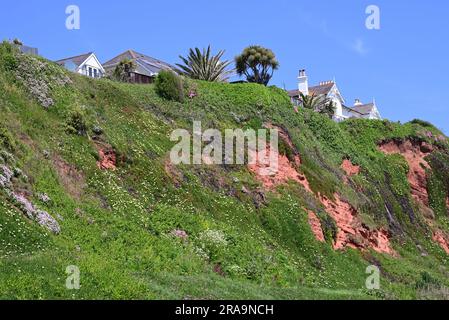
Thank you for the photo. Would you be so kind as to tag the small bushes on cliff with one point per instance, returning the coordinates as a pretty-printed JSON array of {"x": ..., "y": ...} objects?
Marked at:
[
  {"x": 169, "y": 86},
  {"x": 438, "y": 183},
  {"x": 422, "y": 123},
  {"x": 8, "y": 60},
  {"x": 38, "y": 77},
  {"x": 76, "y": 123},
  {"x": 6, "y": 139}
]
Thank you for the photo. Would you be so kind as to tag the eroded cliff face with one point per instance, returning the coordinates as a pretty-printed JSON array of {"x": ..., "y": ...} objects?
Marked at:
[
  {"x": 349, "y": 168},
  {"x": 442, "y": 239},
  {"x": 315, "y": 224},
  {"x": 351, "y": 232},
  {"x": 286, "y": 171},
  {"x": 415, "y": 153}
]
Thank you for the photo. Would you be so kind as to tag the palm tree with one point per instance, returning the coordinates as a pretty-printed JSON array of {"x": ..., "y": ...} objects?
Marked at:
[
  {"x": 309, "y": 101},
  {"x": 318, "y": 104},
  {"x": 123, "y": 70},
  {"x": 204, "y": 66},
  {"x": 327, "y": 108}
]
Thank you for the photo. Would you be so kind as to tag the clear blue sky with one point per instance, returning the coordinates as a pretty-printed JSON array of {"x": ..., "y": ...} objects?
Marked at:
[{"x": 404, "y": 65}]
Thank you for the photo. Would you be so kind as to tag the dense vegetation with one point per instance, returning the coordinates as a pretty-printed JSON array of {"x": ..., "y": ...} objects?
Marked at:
[{"x": 148, "y": 230}]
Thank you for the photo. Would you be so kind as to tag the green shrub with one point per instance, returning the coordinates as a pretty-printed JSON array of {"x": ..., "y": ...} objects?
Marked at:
[
  {"x": 8, "y": 60},
  {"x": 422, "y": 123},
  {"x": 76, "y": 123},
  {"x": 123, "y": 70},
  {"x": 169, "y": 86},
  {"x": 426, "y": 281},
  {"x": 6, "y": 139}
]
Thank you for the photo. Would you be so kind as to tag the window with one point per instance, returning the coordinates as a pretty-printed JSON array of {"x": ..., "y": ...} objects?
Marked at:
[
  {"x": 95, "y": 73},
  {"x": 90, "y": 72}
]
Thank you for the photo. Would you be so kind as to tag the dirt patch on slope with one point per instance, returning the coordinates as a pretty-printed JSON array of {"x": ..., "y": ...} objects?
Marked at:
[
  {"x": 442, "y": 239},
  {"x": 175, "y": 175},
  {"x": 108, "y": 159},
  {"x": 414, "y": 153},
  {"x": 285, "y": 172},
  {"x": 72, "y": 179},
  {"x": 349, "y": 168},
  {"x": 107, "y": 156}
]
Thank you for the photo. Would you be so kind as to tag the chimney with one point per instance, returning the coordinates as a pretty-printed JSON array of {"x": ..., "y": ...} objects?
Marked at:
[
  {"x": 303, "y": 82},
  {"x": 357, "y": 103}
]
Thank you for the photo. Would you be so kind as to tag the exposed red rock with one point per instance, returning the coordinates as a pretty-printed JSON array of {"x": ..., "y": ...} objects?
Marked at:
[
  {"x": 381, "y": 242},
  {"x": 351, "y": 232},
  {"x": 349, "y": 168},
  {"x": 315, "y": 224},
  {"x": 286, "y": 170},
  {"x": 414, "y": 154},
  {"x": 283, "y": 135},
  {"x": 442, "y": 239},
  {"x": 282, "y": 175},
  {"x": 108, "y": 159}
]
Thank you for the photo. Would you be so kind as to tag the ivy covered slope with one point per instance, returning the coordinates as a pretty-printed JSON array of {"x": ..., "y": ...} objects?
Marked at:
[{"x": 85, "y": 180}]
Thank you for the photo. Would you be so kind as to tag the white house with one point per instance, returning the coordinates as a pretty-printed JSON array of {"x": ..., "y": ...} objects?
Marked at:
[
  {"x": 329, "y": 90},
  {"x": 85, "y": 64}
]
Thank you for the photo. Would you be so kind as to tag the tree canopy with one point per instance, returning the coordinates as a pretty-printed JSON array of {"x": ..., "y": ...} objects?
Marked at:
[
  {"x": 257, "y": 64},
  {"x": 123, "y": 69}
]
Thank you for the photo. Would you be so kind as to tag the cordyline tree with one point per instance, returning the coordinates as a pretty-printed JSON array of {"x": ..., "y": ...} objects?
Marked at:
[
  {"x": 123, "y": 69},
  {"x": 318, "y": 104},
  {"x": 257, "y": 64},
  {"x": 202, "y": 65}
]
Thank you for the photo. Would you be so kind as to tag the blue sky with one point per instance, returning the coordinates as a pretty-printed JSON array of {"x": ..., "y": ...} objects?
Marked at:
[{"x": 404, "y": 65}]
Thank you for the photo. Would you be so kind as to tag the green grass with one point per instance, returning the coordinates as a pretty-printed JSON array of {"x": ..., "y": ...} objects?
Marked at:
[{"x": 116, "y": 225}]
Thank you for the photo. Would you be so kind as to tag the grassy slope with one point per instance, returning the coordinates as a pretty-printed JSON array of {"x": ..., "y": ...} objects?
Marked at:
[{"x": 117, "y": 229}]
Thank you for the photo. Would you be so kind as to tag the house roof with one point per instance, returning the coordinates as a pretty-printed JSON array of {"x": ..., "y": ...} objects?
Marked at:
[
  {"x": 321, "y": 89},
  {"x": 365, "y": 108},
  {"x": 77, "y": 60},
  {"x": 353, "y": 110},
  {"x": 293, "y": 93},
  {"x": 145, "y": 64}
]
